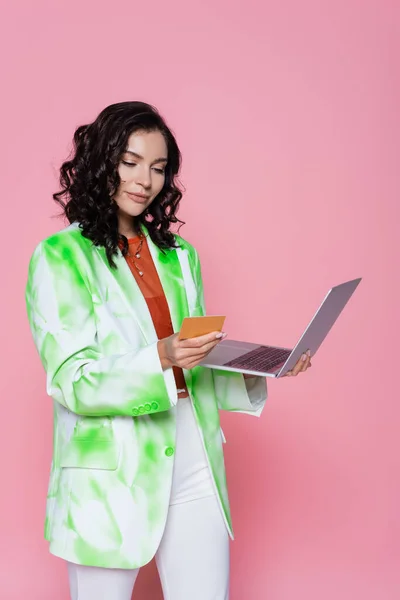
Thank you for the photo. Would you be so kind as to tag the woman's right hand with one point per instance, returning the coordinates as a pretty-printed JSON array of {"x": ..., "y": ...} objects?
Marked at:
[{"x": 187, "y": 354}]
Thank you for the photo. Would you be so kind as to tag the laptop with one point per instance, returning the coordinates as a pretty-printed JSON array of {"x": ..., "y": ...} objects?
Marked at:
[{"x": 273, "y": 361}]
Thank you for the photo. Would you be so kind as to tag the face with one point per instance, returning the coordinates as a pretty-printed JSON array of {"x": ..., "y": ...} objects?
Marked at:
[{"x": 142, "y": 173}]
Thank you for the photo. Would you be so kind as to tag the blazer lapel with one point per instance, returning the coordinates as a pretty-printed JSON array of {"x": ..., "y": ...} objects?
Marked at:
[
  {"x": 126, "y": 286},
  {"x": 170, "y": 273},
  {"x": 172, "y": 280}
]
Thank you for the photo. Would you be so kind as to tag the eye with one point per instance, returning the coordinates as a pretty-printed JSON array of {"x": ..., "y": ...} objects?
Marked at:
[
  {"x": 160, "y": 171},
  {"x": 128, "y": 164}
]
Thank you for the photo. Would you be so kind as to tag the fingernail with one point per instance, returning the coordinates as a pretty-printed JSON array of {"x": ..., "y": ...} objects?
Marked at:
[
  {"x": 219, "y": 335},
  {"x": 303, "y": 357},
  {"x": 308, "y": 352}
]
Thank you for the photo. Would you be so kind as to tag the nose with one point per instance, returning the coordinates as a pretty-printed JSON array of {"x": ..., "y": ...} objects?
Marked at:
[{"x": 143, "y": 177}]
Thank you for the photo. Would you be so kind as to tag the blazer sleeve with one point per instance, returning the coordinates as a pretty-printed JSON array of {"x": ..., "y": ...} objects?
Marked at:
[
  {"x": 234, "y": 392},
  {"x": 79, "y": 375}
]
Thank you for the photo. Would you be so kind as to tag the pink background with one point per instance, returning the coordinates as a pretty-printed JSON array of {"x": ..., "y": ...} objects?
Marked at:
[{"x": 287, "y": 114}]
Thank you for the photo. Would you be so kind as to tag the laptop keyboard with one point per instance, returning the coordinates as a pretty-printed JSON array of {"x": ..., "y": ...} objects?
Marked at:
[{"x": 261, "y": 359}]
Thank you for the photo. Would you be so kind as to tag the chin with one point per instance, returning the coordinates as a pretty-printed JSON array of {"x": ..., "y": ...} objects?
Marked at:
[
  {"x": 132, "y": 210},
  {"x": 135, "y": 212}
]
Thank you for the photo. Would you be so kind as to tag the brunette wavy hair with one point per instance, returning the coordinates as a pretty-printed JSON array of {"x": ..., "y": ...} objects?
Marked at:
[{"x": 89, "y": 179}]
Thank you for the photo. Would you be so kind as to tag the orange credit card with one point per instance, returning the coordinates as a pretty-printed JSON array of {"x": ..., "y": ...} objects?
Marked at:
[{"x": 195, "y": 326}]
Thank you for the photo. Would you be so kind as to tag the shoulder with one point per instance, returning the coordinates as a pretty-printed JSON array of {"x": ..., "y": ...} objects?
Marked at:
[
  {"x": 186, "y": 246},
  {"x": 65, "y": 247},
  {"x": 69, "y": 237},
  {"x": 193, "y": 256}
]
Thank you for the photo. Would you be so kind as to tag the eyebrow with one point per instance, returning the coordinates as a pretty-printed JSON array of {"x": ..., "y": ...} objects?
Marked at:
[{"x": 136, "y": 155}]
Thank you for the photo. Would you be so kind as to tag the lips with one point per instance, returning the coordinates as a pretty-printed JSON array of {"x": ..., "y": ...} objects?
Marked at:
[{"x": 139, "y": 198}]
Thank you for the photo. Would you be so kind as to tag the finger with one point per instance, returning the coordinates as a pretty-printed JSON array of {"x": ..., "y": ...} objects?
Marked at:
[
  {"x": 186, "y": 357},
  {"x": 188, "y": 352},
  {"x": 201, "y": 340},
  {"x": 192, "y": 365},
  {"x": 299, "y": 365},
  {"x": 296, "y": 369},
  {"x": 195, "y": 360},
  {"x": 307, "y": 362},
  {"x": 305, "y": 365}
]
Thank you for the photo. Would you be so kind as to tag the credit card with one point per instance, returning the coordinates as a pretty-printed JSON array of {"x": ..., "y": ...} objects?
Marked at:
[{"x": 196, "y": 326}]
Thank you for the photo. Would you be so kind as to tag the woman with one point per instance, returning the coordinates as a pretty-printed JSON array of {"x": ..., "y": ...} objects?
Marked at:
[{"x": 138, "y": 465}]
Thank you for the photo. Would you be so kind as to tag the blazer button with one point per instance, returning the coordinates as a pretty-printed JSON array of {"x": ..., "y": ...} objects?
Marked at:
[
  {"x": 154, "y": 405},
  {"x": 169, "y": 451},
  {"x": 135, "y": 412},
  {"x": 141, "y": 409},
  {"x": 147, "y": 407}
]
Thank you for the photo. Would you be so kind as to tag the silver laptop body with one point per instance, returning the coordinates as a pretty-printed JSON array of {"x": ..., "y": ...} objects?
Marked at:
[{"x": 273, "y": 361}]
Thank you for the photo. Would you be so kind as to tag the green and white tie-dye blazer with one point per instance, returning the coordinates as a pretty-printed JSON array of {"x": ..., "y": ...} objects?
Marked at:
[{"x": 114, "y": 416}]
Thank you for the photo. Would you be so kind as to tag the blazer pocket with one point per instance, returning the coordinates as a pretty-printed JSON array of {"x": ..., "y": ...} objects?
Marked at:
[{"x": 84, "y": 453}]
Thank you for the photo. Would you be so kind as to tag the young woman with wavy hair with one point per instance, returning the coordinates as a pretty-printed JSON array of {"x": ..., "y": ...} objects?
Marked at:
[{"x": 138, "y": 468}]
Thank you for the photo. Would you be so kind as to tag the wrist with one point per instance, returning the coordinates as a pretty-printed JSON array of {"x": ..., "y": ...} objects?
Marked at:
[{"x": 162, "y": 353}]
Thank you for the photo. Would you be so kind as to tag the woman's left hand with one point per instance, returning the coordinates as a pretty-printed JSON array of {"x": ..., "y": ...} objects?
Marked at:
[{"x": 302, "y": 364}]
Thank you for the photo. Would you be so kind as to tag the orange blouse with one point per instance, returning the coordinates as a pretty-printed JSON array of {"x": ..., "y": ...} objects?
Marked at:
[{"x": 151, "y": 288}]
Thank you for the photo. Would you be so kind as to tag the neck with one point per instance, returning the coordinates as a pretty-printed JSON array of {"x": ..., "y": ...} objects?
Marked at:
[{"x": 126, "y": 226}]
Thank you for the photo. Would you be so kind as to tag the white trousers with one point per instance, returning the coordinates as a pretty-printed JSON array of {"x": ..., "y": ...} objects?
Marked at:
[
  {"x": 192, "y": 560},
  {"x": 193, "y": 556}
]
